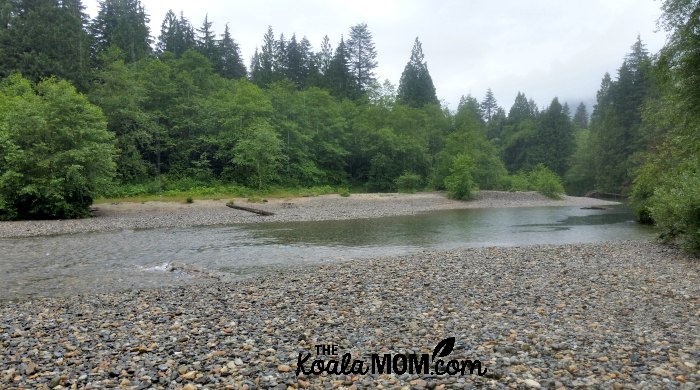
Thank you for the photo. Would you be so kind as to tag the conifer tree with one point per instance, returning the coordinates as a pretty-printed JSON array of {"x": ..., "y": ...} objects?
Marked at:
[
  {"x": 581, "y": 116},
  {"x": 338, "y": 78},
  {"x": 262, "y": 68},
  {"x": 176, "y": 35},
  {"x": 362, "y": 56},
  {"x": 124, "y": 24},
  {"x": 325, "y": 56},
  {"x": 206, "y": 43},
  {"x": 44, "y": 38},
  {"x": 230, "y": 63},
  {"x": 416, "y": 87},
  {"x": 489, "y": 106}
]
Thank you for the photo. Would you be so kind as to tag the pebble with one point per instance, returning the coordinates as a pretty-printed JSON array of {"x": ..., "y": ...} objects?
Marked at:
[{"x": 502, "y": 305}]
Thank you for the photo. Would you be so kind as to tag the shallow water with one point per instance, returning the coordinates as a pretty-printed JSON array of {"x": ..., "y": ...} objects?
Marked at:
[{"x": 94, "y": 262}]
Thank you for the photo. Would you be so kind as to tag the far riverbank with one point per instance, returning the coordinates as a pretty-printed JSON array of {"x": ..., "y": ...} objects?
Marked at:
[{"x": 150, "y": 215}]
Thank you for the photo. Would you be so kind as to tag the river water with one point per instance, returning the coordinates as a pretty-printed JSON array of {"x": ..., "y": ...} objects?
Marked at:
[{"x": 97, "y": 262}]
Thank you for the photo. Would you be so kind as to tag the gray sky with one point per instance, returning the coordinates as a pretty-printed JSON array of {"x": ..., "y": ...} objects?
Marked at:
[{"x": 544, "y": 48}]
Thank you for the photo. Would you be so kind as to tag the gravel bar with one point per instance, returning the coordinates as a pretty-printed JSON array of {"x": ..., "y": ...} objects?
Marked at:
[
  {"x": 149, "y": 215},
  {"x": 620, "y": 315}
]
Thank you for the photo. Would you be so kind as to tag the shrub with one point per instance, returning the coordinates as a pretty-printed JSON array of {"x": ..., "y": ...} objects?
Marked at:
[
  {"x": 460, "y": 184},
  {"x": 546, "y": 182},
  {"x": 675, "y": 205},
  {"x": 408, "y": 182},
  {"x": 57, "y": 154},
  {"x": 344, "y": 192},
  {"x": 539, "y": 179}
]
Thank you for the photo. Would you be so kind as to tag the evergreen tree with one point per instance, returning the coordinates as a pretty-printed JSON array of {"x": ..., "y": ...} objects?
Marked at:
[
  {"x": 176, "y": 35},
  {"x": 520, "y": 109},
  {"x": 230, "y": 64},
  {"x": 554, "y": 139},
  {"x": 616, "y": 134},
  {"x": 46, "y": 38},
  {"x": 518, "y": 136},
  {"x": 581, "y": 116},
  {"x": 416, "y": 87},
  {"x": 279, "y": 58},
  {"x": 124, "y": 24},
  {"x": 325, "y": 56},
  {"x": 295, "y": 67},
  {"x": 362, "y": 56},
  {"x": 262, "y": 67},
  {"x": 312, "y": 76},
  {"x": 489, "y": 106},
  {"x": 206, "y": 43},
  {"x": 338, "y": 79}
]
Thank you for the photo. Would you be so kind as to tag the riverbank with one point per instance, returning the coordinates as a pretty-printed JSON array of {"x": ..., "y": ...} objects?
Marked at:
[
  {"x": 614, "y": 315},
  {"x": 149, "y": 215}
]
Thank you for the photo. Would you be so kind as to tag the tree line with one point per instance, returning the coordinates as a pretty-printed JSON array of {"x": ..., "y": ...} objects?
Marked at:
[{"x": 183, "y": 110}]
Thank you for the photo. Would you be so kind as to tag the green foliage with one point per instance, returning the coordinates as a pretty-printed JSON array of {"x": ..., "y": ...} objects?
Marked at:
[
  {"x": 488, "y": 172},
  {"x": 546, "y": 182},
  {"x": 56, "y": 154},
  {"x": 666, "y": 188},
  {"x": 344, "y": 192},
  {"x": 540, "y": 179},
  {"x": 189, "y": 200},
  {"x": 459, "y": 183},
  {"x": 260, "y": 150},
  {"x": 408, "y": 182},
  {"x": 616, "y": 122},
  {"x": 416, "y": 87},
  {"x": 122, "y": 24},
  {"x": 580, "y": 178}
]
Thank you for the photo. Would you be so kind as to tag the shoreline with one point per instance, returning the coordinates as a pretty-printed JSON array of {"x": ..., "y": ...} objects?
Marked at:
[
  {"x": 152, "y": 215},
  {"x": 615, "y": 315}
]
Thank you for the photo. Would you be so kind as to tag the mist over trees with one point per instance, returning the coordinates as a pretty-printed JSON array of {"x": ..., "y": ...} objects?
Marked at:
[{"x": 179, "y": 109}]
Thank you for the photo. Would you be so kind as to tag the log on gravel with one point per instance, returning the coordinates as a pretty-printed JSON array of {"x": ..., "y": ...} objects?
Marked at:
[{"x": 249, "y": 209}]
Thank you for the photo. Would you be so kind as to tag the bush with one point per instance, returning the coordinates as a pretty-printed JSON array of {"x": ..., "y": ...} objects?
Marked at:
[
  {"x": 675, "y": 204},
  {"x": 408, "y": 182},
  {"x": 546, "y": 182},
  {"x": 539, "y": 179},
  {"x": 57, "y": 154},
  {"x": 519, "y": 182},
  {"x": 460, "y": 184},
  {"x": 344, "y": 192}
]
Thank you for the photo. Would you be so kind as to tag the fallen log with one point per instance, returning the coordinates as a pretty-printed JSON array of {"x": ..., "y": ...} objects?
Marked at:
[{"x": 249, "y": 209}]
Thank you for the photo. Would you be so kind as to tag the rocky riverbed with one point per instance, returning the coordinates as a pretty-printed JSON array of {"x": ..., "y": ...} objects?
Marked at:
[
  {"x": 149, "y": 215},
  {"x": 621, "y": 315}
]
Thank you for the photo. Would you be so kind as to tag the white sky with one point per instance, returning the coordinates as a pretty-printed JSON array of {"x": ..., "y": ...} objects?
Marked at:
[{"x": 544, "y": 48}]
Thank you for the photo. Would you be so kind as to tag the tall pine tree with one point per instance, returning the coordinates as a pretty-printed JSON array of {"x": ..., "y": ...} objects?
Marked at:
[
  {"x": 230, "y": 64},
  {"x": 124, "y": 24},
  {"x": 416, "y": 87},
  {"x": 362, "y": 56},
  {"x": 46, "y": 38},
  {"x": 206, "y": 43}
]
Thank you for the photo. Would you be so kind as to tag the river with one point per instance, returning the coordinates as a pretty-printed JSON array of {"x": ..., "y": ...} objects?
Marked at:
[{"x": 97, "y": 262}]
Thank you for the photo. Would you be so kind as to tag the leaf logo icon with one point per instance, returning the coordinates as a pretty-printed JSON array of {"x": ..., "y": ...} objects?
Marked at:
[{"x": 444, "y": 347}]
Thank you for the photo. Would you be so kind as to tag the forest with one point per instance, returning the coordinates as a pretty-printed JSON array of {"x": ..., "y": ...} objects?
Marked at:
[{"x": 102, "y": 107}]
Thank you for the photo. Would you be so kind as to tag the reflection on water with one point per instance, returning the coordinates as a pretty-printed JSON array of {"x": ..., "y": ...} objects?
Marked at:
[{"x": 85, "y": 263}]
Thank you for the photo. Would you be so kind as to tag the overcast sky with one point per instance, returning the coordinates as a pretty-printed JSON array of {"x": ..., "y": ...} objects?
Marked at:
[{"x": 544, "y": 48}]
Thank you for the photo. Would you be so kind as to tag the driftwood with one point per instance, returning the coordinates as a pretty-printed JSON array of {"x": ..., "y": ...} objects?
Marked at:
[
  {"x": 249, "y": 209},
  {"x": 593, "y": 208}
]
